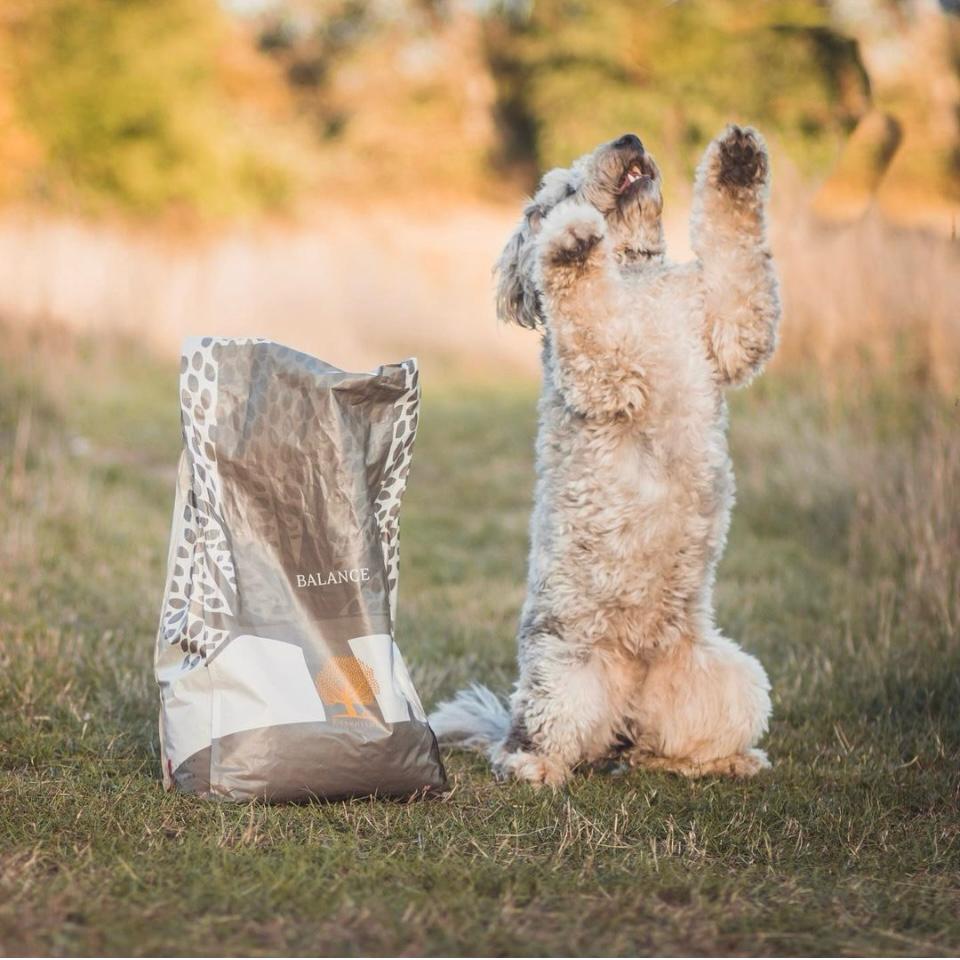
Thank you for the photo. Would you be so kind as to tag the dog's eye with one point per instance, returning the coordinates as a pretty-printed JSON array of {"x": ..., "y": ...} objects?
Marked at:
[{"x": 570, "y": 191}]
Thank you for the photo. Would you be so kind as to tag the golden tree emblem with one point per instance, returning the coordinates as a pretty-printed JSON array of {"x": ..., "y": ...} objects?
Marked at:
[{"x": 348, "y": 682}]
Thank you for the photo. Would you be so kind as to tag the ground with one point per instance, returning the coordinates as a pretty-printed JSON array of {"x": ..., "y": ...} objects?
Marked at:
[{"x": 842, "y": 575}]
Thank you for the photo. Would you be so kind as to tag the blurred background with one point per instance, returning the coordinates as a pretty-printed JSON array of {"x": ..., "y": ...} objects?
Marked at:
[{"x": 341, "y": 175}]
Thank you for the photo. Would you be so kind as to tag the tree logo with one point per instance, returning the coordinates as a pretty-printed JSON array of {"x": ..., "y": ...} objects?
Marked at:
[{"x": 347, "y": 682}]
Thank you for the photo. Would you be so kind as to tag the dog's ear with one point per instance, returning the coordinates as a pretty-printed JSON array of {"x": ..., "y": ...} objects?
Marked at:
[{"x": 518, "y": 300}]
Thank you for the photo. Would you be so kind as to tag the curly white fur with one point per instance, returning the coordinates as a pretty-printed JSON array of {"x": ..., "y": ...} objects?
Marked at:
[{"x": 617, "y": 641}]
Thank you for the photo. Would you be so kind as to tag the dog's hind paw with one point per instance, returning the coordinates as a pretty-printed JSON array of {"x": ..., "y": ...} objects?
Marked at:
[
  {"x": 531, "y": 768},
  {"x": 740, "y": 765}
]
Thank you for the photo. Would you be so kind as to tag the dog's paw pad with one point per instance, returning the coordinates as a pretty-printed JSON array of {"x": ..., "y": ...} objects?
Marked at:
[
  {"x": 570, "y": 235},
  {"x": 741, "y": 158},
  {"x": 574, "y": 245}
]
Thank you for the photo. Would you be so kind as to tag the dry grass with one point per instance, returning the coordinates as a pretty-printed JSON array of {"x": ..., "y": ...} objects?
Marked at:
[
  {"x": 842, "y": 574},
  {"x": 360, "y": 285},
  {"x": 356, "y": 285},
  {"x": 869, "y": 298}
]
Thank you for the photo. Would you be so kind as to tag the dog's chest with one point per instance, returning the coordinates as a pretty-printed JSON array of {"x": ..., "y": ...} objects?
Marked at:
[
  {"x": 683, "y": 396},
  {"x": 658, "y": 476}
]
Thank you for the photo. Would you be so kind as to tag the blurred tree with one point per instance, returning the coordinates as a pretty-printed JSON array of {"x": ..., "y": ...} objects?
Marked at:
[
  {"x": 130, "y": 104},
  {"x": 311, "y": 44},
  {"x": 911, "y": 49},
  {"x": 19, "y": 149},
  {"x": 848, "y": 192},
  {"x": 391, "y": 86},
  {"x": 160, "y": 104},
  {"x": 571, "y": 73}
]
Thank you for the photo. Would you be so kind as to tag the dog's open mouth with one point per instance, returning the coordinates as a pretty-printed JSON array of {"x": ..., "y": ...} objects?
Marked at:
[{"x": 638, "y": 172}]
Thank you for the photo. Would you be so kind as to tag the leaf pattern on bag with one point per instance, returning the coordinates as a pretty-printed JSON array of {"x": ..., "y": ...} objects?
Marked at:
[
  {"x": 203, "y": 586},
  {"x": 395, "y": 477}
]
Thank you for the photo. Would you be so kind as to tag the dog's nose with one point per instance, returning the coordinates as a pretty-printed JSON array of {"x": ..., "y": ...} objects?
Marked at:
[{"x": 629, "y": 140}]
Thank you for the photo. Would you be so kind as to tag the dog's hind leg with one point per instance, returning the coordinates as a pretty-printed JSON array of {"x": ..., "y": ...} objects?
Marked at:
[
  {"x": 744, "y": 764},
  {"x": 701, "y": 710},
  {"x": 560, "y": 714}
]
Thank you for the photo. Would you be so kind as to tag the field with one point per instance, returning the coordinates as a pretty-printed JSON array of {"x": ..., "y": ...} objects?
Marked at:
[{"x": 842, "y": 574}]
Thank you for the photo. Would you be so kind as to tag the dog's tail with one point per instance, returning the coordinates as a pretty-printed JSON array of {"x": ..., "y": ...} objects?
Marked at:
[{"x": 475, "y": 719}]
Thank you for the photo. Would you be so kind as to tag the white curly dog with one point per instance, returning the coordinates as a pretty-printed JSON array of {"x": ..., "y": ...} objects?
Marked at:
[{"x": 618, "y": 650}]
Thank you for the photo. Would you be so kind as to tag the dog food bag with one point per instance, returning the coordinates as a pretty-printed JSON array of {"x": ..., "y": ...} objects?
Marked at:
[{"x": 279, "y": 674}]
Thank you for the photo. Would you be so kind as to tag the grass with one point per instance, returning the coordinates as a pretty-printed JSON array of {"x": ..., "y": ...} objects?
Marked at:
[{"x": 842, "y": 574}]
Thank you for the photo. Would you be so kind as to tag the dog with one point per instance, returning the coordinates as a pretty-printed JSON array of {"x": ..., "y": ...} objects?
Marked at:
[{"x": 619, "y": 654}]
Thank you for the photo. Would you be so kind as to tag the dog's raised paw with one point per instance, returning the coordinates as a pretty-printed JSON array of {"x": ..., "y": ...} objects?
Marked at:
[
  {"x": 741, "y": 159},
  {"x": 570, "y": 234},
  {"x": 576, "y": 245}
]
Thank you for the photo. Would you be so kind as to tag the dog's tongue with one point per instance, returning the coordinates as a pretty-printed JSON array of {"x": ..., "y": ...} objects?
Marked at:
[{"x": 632, "y": 175}]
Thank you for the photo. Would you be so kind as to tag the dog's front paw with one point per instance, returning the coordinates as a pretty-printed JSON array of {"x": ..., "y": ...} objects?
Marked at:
[
  {"x": 739, "y": 159},
  {"x": 571, "y": 235}
]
